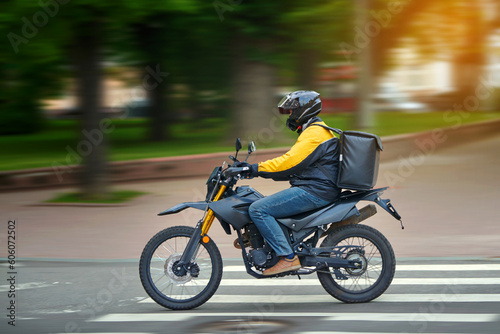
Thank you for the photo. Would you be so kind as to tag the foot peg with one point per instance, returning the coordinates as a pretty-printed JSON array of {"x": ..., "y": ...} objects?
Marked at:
[{"x": 246, "y": 242}]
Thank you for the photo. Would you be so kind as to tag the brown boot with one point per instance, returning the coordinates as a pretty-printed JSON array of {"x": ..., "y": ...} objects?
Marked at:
[{"x": 283, "y": 265}]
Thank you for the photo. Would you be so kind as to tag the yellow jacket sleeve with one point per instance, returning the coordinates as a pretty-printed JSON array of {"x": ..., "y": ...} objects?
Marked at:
[{"x": 307, "y": 142}]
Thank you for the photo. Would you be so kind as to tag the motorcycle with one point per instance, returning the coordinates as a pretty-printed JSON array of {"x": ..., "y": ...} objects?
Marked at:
[{"x": 181, "y": 267}]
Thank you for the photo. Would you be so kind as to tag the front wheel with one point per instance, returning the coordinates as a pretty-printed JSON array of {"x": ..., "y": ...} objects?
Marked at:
[
  {"x": 159, "y": 275},
  {"x": 366, "y": 246}
]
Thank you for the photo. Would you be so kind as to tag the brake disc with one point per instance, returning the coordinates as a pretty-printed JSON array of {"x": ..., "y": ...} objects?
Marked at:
[
  {"x": 169, "y": 270},
  {"x": 358, "y": 256}
]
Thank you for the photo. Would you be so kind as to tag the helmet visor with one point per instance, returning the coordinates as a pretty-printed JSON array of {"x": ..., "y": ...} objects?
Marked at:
[{"x": 288, "y": 103}]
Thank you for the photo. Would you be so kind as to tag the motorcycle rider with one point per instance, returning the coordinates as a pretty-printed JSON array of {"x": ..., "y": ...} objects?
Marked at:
[{"x": 304, "y": 166}]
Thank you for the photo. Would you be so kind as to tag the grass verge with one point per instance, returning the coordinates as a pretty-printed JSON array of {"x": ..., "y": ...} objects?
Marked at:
[{"x": 119, "y": 196}]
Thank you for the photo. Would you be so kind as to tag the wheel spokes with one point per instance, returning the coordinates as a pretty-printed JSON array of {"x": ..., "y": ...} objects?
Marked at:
[
  {"x": 372, "y": 262},
  {"x": 164, "y": 278}
]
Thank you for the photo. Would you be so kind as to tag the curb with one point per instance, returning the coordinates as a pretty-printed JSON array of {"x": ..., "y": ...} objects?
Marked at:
[
  {"x": 427, "y": 142},
  {"x": 395, "y": 147}
]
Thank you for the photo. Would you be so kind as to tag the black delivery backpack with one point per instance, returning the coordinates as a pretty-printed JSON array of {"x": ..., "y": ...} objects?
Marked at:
[{"x": 358, "y": 160}]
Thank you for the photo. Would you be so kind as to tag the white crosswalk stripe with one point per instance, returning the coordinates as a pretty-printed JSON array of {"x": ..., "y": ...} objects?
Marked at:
[
  {"x": 326, "y": 298},
  {"x": 336, "y": 332},
  {"x": 394, "y": 317},
  {"x": 247, "y": 282}
]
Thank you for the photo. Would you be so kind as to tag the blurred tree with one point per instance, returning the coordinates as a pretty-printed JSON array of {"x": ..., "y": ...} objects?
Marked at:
[
  {"x": 203, "y": 58},
  {"x": 253, "y": 27},
  {"x": 85, "y": 27},
  {"x": 29, "y": 66},
  {"x": 268, "y": 36},
  {"x": 47, "y": 38},
  {"x": 84, "y": 35},
  {"x": 151, "y": 36},
  {"x": 93, "y": 32},
  {"x": 157, "y": 28},
  {"x": 310, "y": 31},
  {"x": 141, "y": 31},
  {"x": 365, "y": 118}
]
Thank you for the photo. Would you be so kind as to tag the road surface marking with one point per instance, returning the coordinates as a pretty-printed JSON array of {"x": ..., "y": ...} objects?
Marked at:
[
  {"x": 326, "y": 298},
  {"x": 355, "y": 317},
  {"x": 289, "y": 281}
]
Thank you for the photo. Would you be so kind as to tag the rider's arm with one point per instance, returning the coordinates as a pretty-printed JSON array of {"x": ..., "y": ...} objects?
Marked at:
[{"x": 299, "y": 157}]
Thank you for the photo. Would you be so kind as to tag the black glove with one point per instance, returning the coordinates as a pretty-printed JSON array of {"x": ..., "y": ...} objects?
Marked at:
[
  {"x": 252, "y": 169},
  {"x": 241, "y": 164}
]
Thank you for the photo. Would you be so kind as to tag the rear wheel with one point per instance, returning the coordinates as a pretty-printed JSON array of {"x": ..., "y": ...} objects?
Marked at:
[
  {"x": 161, "y": 278},
  {"x": 371, "y": 249}
]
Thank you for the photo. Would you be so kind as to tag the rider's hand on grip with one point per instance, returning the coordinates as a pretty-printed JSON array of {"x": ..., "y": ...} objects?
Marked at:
[
  {"x": 233, "y": 171},
  {"x": 248, "y": 172},
  {"x": 244, "y": 172},
  {"x": 241, "y": 164}
]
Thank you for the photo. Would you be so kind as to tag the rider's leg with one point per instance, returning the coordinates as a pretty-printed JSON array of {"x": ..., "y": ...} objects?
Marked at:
[{"x": 285, "y": 203}]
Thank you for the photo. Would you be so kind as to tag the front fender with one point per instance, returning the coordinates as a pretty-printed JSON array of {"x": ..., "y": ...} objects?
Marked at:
[{"x": 179, "y": 207}]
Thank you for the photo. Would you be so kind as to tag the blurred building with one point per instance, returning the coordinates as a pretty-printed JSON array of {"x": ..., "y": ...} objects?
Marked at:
[
  {"x": 494, "y": 58},
  {"x": 422, "y": 83},
  {"x": 338, "y": 86},
  {"x": 118, "y": 94}
]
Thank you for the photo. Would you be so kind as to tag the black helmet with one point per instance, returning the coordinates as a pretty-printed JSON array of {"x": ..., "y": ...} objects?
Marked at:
[{"x": 304, "y": 104}]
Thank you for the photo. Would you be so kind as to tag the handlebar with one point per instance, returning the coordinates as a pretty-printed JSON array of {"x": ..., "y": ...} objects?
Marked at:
[{"x": 232, "y": 171}]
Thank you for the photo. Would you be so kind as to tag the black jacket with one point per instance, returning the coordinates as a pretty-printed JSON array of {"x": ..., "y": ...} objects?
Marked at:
[{"x": 315, "y": 145}]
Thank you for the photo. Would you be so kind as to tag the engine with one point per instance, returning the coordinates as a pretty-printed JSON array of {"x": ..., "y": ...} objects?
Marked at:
[
  {"x": 253, "y": 234},
  {"x": 258, "y": 257},
  {"x": 261, "y": 255}
]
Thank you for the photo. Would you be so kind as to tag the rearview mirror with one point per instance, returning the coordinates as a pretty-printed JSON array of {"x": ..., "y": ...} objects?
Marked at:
[
  {"x": 251, "y": 147},
  {"x": 238, "y": 145}
]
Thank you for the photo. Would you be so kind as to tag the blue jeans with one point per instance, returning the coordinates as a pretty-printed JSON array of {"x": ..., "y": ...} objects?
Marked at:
[{"x": 283, "y": 204}]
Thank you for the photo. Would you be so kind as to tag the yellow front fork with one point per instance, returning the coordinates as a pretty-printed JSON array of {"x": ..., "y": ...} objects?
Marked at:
[{"x": 209, "y": 218}]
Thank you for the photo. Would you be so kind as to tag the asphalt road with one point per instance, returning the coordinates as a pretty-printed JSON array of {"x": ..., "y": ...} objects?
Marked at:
[{"x": 426, "y": 296}]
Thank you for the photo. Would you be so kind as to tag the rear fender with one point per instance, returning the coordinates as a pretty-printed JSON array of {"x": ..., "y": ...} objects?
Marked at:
[
  {"x": 333, "y": 214},
  {"x": 179, "y": 207},
  {"x": 387, "y": 206},
  {"x": 346, "y": 207},
  {"x": 374, "y": 196}
]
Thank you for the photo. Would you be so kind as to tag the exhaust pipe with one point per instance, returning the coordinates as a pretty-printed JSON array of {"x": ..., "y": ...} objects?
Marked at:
[{"x": 364, "y": 213}]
